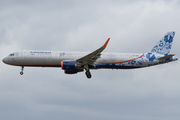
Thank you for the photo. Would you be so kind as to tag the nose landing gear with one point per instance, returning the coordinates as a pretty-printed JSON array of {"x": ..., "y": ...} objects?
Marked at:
[{"x": 22, "y": 69}]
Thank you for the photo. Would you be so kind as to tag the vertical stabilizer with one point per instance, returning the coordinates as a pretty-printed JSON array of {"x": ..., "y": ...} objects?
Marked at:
[{"x": 164, "y": 45}]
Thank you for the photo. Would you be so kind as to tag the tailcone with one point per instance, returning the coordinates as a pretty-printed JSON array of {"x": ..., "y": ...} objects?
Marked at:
[{"x": 174, "y": 58}]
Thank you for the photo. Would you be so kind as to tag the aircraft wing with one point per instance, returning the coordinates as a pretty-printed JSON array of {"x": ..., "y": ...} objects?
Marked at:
[{"x": 92, "y": 57}]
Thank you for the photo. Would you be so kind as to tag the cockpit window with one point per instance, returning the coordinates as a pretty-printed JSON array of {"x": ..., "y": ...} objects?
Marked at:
[{"x": 11, "y": 55}]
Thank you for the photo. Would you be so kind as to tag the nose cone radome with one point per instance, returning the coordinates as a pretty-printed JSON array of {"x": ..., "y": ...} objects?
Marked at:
[{"x": 5, "y": 60}]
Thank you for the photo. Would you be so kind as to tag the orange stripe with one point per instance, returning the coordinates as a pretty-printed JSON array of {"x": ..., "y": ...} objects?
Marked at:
[
  {"x": 106, "y": 42},
  {"x": 62, "y": 64},
  {"x": 121, "y": 62}
]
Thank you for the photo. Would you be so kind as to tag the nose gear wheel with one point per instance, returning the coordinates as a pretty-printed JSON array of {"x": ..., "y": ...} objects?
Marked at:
[{"x": 22, "y": 69}]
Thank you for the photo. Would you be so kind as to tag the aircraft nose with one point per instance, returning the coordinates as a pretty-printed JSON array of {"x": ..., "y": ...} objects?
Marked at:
[{"x": 5, "y": 60}]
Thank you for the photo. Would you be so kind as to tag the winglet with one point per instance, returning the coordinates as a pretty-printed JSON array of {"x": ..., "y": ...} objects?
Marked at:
[{"x": 106, "y": 42}]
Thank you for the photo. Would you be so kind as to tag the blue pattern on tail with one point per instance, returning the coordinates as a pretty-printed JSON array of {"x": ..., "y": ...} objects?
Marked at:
[{"x": 164, "y": 45}]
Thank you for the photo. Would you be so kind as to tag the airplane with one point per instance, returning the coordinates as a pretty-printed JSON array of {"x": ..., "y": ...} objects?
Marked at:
[{"x": 74, "y": 62}]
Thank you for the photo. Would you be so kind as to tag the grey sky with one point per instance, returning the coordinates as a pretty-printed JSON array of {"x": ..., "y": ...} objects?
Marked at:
[{"x": 48, "y": 93}]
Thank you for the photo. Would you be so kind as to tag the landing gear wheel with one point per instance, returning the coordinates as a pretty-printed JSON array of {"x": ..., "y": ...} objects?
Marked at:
[
  {"x": 21, "y": 73},
  {"x": 22, "y": 68},
  {"x": 88, "y": 74}
]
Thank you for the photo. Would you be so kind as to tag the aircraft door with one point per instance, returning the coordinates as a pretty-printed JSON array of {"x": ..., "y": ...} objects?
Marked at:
[
  {"x": 21, "y": 55},
  {"x": 56, "y": 56}
]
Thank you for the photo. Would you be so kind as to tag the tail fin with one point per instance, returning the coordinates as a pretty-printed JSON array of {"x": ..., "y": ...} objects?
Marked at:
[{"x": 164, "y": 45}]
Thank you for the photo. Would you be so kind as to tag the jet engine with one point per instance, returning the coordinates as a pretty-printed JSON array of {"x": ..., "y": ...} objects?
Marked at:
[{"x": 71, "y": 67}]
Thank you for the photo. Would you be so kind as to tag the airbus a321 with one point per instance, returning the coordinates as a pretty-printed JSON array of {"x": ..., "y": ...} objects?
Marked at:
[{"x": 74, "y": 62}]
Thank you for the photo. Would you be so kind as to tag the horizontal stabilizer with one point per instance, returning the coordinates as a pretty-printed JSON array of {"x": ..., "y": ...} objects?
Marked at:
[{"x": 166, "y": 57}]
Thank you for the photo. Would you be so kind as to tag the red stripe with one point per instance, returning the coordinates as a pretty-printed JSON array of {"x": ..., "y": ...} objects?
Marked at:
[
  {"x": 62, "y": 64},
  {"x": 38, "y": 65},
  {"x": 121, "y": 62}
]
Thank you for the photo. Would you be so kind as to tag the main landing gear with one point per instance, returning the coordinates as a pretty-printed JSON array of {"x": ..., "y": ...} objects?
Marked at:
[
  {"x": 88, "y": 74},
  {"x": 22, "y": 69}
]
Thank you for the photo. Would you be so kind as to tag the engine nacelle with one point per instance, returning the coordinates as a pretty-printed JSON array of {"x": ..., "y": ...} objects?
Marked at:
[
  {"x": 73, "y": 71},
  {"x": 69, "y": 65}
]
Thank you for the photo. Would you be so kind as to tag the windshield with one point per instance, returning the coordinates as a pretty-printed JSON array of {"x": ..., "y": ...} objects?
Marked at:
[{"x": 11, "y": 55}]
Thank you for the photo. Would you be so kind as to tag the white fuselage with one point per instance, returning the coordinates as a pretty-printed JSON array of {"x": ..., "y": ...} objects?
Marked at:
[{"x": 54, "y": 58}]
